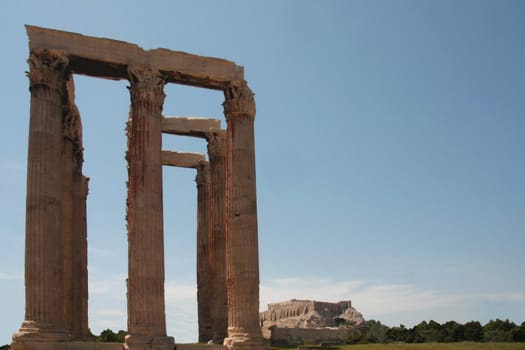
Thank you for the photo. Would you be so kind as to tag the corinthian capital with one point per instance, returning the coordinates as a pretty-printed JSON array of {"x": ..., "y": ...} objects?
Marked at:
[
  {"x": 147, "y": 85},
  {"x": 239, "y": 100},
  {"x": 47, "y": 69},
  {"x": 216, "y": 142}
]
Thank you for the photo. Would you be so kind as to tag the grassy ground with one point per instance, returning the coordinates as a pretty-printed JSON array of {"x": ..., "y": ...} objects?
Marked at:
[{"x": 438, "y": 346}]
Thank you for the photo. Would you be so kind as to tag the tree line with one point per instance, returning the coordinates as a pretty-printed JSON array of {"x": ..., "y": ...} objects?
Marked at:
[{"x": 448, "y": 332}]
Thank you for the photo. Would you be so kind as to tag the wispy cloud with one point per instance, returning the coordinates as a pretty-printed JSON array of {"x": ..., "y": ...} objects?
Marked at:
[
  {"x": 393, "y": 304},
  {"x": 398, "y": 303}
]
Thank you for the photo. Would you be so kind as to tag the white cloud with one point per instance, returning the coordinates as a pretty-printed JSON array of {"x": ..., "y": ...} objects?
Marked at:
[
  {"x": 515, "y": 297},
  {"x": 393, "y": 304}
]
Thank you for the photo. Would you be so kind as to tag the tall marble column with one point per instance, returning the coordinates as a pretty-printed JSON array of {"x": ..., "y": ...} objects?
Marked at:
[
  {"x": 217, "y": 235},
  {"x": 80, "y": 301},
  {"x": 44, "y": 260},
  {"x": 146, "y": 299},
  {"x": 203, "y": 281},
  {"x": 68, "y": 224},
  {"x": 74, "y": 223},
  {"x": 242, "y": 256}
]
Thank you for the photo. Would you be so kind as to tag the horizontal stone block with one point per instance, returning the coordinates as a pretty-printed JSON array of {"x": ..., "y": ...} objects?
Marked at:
[
  {"x": 183, "y": 160},
  {"x": 189, "y": 126},
  {"x": 108, "y": 58}
]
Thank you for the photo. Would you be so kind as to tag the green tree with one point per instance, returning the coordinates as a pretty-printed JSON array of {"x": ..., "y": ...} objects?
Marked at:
[
  {"x": 429, "y": 332},
  {"x": 377, "y": 332},
  {"x": 498, "y": 331},
  {"x": 454, "y": 332},
  {"x": 473, "y": 331},
  {"x": 518, "y": 333},
  {"x": 400, "y": 334}
]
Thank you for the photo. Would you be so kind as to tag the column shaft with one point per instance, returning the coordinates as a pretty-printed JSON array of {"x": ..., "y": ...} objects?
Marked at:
[
  {"x": 44, "y": 316},
  {"x": 146, "y": 300},
  {"x": 217, "y": 235},
  {"x": 68, "y": 239},
  {"x": 242, "y": 259},
  {"x": 81, "y": 326},
  {"x": 203, "y": 274},
  {"x": 75, "y": 264}
]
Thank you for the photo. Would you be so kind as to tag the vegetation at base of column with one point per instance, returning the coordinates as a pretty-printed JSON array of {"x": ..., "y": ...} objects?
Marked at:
[{"x": 108, "y": 336}]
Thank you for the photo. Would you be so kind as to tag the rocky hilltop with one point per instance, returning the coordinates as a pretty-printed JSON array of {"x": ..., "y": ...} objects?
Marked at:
[
  {"x": 295, "y": 322},
  {"x": 310, "y": 314}
]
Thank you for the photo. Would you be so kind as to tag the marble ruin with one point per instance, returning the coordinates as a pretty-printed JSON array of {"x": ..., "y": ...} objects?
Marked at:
[
  {"x": 56, "y": 278},
  {"x": 294, "y": 322}
]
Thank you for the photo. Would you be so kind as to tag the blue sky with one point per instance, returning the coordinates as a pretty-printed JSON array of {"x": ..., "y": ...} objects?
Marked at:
[{"x": 389, "y": 145}]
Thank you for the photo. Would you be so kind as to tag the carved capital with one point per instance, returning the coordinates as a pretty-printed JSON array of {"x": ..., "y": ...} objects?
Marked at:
[
  {"x": 239, "y": 100},
  {"x": 216, "y": 142},
  {"x": 47, "y": 69},
  {"x": 203, "y": 173},
  {"x": 147, "y": 85}
]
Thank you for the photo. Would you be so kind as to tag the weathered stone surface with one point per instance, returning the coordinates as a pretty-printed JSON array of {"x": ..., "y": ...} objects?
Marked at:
[
  {"x": 295, "y": 322},
  {"x": 204, "y": 209},
  {"x": 217, "y": 235},
  {"x": 107, "y": 58},
  {"x": 180, "y": 159},
  {"x": 56, "y": 241},
  {"x": 310, "y": 314},
  {"x": 242, "y": 253},
  {"x": 44, "y": 318},
  {"x": 146, "y": 297},
  {"x": 297, "y": 336},
  {"x": 189, "y": 126}
]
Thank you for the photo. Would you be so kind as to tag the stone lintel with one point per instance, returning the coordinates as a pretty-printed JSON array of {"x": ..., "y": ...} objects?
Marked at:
[
  {"x": 108, "y": 58},
  {"x": 189, "y": 126},
  {"x": 182, "y": 160}
]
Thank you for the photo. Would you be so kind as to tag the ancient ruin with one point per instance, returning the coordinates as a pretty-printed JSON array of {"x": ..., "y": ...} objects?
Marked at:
[
  {"x": 56, "y": 281},
  {"x": 295, "y": 322},
  {"x": 211, "y": 255}
]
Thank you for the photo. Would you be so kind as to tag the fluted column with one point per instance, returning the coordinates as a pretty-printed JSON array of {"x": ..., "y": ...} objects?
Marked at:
[
  {"x": 44, "y": 317},
  {"x": 68, "y": 224},
  {"x": 203, "y": 275},
  {"x": 76, "y": 192},
  {"x": 242, "y": 258},
  {"x": 146, "y": 300},
  {"x": 217, "y": 235},
  {"x": 74, "y": 227},
  {"x": 81, "y": 296}
]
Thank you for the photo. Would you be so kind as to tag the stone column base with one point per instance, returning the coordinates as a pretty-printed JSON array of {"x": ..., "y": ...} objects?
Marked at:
[
  {"x": 75, "y": 345},
  {"x": 32, "y": 331},
  {"x": 140, "y": 342},
  {"x": 245, "y": 342}
]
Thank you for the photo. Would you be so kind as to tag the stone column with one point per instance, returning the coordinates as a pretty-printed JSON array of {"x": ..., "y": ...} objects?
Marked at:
[
  {"x": 217, "y": 235},
  {"x": 146, "y": 299},
  {"x": 68, "y": 224},
  {"x": 242, "y": 258},
  {"x": 74, "y": 223},
  {"x": 44, "y": 260},
  {"x": 81, "y": 296},
  {"x": 203, "y": 275}
]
